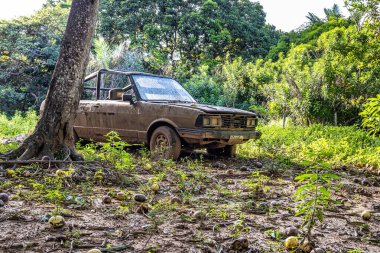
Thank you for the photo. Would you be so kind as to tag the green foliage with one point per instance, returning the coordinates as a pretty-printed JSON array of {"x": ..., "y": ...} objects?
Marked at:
[
  {"x": 222, "y": 51},
  {"x": 119, "y": 57},
  {"x": 335, "y": 145},
  {"x": 29, "y": 47},
  {"x": 371, "y": 115},
  {"x": 204, "y": 87},
  {"x": 18, "y": 124},
  {"x": 113, "y": 151},
  {"x": 257, "y": 183},
  {"x": 175, "y": 33},
  {"x": 314, "y": 195}
]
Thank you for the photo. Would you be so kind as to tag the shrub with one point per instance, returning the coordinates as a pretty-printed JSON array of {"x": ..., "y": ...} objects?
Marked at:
[{"x": 371, "y": 115}]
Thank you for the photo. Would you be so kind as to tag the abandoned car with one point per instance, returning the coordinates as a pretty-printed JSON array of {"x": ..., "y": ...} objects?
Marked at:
[{"x": 158, "y": 112}]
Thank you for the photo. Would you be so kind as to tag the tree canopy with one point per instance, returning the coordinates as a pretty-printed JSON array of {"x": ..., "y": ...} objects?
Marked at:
[{"x": 223, "y": 51}]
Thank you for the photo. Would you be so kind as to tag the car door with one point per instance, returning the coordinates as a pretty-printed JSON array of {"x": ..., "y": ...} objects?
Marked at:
[{"x": 120, "y": 116}]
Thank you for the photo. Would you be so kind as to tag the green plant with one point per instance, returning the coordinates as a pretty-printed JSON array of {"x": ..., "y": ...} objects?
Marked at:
[
  {"x": 274, "y": 233},
  {"x": 257, "y": 183},
  {"x": 113, "y": 151},
  {"x": 18, "y": 124},
  {"x": 338, "y": 146},
  {"x": 371, "y": 115},
  {"x": 238, "y": 228},
  {"x": 314, "y": 195}
]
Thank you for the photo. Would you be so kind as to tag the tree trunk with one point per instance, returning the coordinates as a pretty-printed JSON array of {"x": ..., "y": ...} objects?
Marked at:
[
  {"x": 335, "y": 118},
  {"x": 53, "y": 136}
]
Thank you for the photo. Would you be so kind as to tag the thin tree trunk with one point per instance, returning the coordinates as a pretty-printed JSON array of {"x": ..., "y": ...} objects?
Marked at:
[
  {"x": 335, "y": 118},
  {"x": 284, "y": 120},
  {"x": 53, "y": 135}
]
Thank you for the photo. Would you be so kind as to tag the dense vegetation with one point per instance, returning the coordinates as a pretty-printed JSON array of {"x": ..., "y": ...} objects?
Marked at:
[{"x": 222, "y": 51}]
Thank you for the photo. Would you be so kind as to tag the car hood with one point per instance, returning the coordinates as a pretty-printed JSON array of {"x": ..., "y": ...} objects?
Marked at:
[{"x": 215, "y": 109}]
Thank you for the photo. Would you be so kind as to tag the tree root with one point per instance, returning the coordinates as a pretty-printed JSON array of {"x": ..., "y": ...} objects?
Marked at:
[
  {"x": 8, "y": 162},
  {"x": 35, "y": 147}
]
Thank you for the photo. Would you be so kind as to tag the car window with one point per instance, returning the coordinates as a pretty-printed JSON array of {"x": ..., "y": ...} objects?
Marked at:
[
  {"x": 89, "y": 92},
  {"x": 154, "y": 88},
  {"x": 113, "y": 81}
]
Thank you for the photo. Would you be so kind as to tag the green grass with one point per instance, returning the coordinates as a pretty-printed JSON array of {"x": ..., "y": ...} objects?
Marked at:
[
  {"x": 335, "y": 145},
  {"x": 18, "y": 124}
]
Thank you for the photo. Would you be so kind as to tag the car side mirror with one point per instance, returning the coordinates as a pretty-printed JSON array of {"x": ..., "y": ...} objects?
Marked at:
[{"x": 128, "y": 97}]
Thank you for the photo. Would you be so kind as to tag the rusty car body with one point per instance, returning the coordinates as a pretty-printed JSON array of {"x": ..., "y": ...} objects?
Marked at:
[{"x": 158, "y": 112}]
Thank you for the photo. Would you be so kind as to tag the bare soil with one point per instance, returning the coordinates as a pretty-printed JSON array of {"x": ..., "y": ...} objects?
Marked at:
[{"x": 216, "y": 209}]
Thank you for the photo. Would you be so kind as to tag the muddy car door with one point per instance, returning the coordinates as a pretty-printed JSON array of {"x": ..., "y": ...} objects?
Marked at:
[
  {"x": 109, "y": 113},
  {"x": 119, "y": 116}
]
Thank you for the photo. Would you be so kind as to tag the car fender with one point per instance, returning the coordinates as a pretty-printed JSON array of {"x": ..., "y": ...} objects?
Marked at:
[
  {"x": 163, "y": 120},
  {"x": 160, "y": 121}
]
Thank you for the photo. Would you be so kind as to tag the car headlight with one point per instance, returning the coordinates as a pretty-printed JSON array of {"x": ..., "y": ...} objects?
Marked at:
[
  {"x": 212, "y": 121},
  {"x": 251, "y": 122}
]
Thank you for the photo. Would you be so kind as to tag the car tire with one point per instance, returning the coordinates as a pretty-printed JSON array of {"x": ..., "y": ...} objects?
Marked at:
[
  {"x": 227, "y": 151},
  {"x": 166, "y": 142}
]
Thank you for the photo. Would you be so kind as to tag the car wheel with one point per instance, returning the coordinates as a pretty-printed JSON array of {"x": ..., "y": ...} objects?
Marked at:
[
  {"x": 227, "y": 151},
  {"x": 166, "y": 142}
]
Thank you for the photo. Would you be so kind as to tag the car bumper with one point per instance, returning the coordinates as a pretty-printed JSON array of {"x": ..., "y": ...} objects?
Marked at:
[{"x": 226, "y": 137}]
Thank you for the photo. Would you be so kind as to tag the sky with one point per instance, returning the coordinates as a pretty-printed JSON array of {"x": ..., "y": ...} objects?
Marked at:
[{"x": 284, "y": 14}]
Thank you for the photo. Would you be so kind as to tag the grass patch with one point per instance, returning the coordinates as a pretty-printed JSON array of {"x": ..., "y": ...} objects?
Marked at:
[
  {"x": 18, "y": 124},
  {"x": 335, "y": 145}
]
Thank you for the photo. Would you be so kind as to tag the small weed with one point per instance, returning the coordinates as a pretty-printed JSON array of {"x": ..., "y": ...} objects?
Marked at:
[
  {"x": 239, "y": 228},
  {"x": 257, "y": 183},
  {"x": 314, "y": 195}
]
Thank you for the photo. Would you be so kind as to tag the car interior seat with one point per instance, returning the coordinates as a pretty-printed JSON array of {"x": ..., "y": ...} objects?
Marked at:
[{"x": 115, "y": 94}]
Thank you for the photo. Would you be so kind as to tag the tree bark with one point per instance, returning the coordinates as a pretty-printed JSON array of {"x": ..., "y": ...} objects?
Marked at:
[{"x": 53, "y": 136}]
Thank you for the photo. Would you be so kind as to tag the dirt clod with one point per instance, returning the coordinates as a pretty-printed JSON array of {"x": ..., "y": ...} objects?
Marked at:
[
  {"x": 4, "y": 197},
  {"x": 120, "y": 196},
  {"x": 245, "y": 168},
  {"x": 306, "y": 246},
  {"x": 318, "y": 250},
  {"x": 291, "y": 231},
  {"x": 26, "y": 173},
  {"x": 199, "y": 215},
  {"x": 143, "y": 209},
  {"x": 365, "y": 182},
  {"x": 240, "y": 244},
  {"x": 140, "y": 198},
  {"x": 107, "y": 199},
  {"x": 219, "y": 165},
  {"x": 176, "y": 200},
  {"x": 376, "y": 207}
]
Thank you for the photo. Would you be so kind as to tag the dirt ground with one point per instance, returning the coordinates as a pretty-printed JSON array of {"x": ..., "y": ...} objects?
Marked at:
[{"x": 218, "y": 210}]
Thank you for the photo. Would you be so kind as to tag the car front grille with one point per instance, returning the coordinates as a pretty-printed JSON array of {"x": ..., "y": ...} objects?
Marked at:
[{"x": 234, "y": 121}]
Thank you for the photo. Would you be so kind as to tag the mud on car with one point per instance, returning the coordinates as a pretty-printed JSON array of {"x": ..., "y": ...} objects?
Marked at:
[{"x": 158, "y": 112}]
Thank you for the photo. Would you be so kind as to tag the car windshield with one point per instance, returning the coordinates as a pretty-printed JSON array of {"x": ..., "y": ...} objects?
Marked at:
[{"x": 154, "y": 88}]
